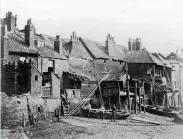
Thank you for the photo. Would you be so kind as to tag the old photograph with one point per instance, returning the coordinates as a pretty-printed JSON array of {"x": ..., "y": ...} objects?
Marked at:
[{"x": 91, "y": 69}]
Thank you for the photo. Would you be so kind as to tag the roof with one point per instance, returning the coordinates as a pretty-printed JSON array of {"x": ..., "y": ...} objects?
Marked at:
[
  {"x": 17, "y": 43},
  {"x": 100, "y": 51},
  {"x": 160, "y": 57},
  {"x": 78, "y": 75},
  {"x": 77, "y": 50},
  {"x": 143, "y": 57},
  {"x": 115, "y": 76},
  {"x": 50, "y": 53},
  {"x": 175, "y": 57}
]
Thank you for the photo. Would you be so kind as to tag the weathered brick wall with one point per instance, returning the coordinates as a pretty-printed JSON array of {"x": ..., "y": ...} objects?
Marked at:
[
  {"x": 36, "y": 84},
  {"x": 15, "y": 78},
  {"x": 55, "y": 86}
]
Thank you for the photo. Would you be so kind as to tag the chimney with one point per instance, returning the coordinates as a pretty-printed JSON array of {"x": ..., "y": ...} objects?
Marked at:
[
  {"x": 29, "y": 33},
  {"x": 58, "y": 45},
  {"x": 110, "y": 44},
  {"x": 130, "y": 44},
  {"x": 134, "y": 45},
  {"x": 74, "y": 40},
  {"x": 11, "y": 21},
  {"x": 138, "y": 44}
]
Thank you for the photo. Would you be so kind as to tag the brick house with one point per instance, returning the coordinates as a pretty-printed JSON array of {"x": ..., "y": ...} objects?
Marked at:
[{"x": 44, "y": 51}]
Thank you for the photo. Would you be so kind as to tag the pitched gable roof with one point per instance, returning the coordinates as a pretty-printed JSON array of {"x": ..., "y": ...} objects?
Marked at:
[
  {"x": 17, "y": 43},
  {"x": 77, "y": 50},
  {"x": 100, "y": 51},
  {"x": 143, "y": 57},
  {"x": 160, "y": 57}
]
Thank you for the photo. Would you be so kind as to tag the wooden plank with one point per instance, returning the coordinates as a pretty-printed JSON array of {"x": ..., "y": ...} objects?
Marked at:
[
  {"x": 119, "y": 97},
  {"x": 145, "y": 120},
  {"x": 139, "y": 97},
  {"x": 128, "y": 93},
  {"x": 135, "y": 97}
]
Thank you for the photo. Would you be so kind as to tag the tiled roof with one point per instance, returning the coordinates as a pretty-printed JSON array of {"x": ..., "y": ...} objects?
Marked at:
[
  {"x": 17, "y": 43},
  {"x": 143, "y": 57},
  {"x": 77, "y": 50},
  {"x": 99, "y": 50},
  {"x": 158, "y": 56},
  {"x": 50, "y": 53}
]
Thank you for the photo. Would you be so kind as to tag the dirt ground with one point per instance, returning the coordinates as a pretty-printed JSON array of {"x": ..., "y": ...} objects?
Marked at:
[{"x": 87, "y": 128}]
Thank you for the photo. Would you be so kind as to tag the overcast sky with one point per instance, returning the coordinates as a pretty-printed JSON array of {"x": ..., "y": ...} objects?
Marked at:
[{"x": 158, "y": 22}]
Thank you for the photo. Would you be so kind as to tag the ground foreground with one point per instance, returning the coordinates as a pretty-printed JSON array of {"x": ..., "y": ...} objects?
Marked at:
[{"x": 87, "y": 128}]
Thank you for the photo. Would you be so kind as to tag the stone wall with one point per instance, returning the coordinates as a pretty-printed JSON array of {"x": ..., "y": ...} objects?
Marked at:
[
  {"x": 36, "y": 82},
  {"x": 55, "y": 86}
]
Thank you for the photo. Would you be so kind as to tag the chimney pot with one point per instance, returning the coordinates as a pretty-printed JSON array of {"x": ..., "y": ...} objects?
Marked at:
[{"x": 57, "y": 37}]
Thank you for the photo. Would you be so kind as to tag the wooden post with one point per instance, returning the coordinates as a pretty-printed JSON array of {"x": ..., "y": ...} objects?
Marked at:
[
  {"x": 101, "y": 98},
  {"x": 109, "y": 102},
  {"x": 153, "y": 84},
  {"x": 143, "y": 91},
  {"x": 139, "y": 97},
  {"x": 128, "y": 93},
  {"x": 119, "y": 99},
  {"x": 135, "y": 97}
]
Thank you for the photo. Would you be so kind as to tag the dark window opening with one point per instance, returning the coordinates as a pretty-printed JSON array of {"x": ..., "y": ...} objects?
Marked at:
[
  {"x": 105, "y": 61},
  {"x": 36, "y": 78},
  {"x": 39, "y": 109}
]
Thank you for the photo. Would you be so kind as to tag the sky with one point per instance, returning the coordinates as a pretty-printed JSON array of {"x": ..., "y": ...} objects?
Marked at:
[{"x": 159, "y": 23}]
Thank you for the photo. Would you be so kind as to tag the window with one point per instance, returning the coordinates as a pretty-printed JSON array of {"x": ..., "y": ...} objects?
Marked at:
[
  {"x": 22, "y": 59},
  {"x": 105, "y": 61},
  {"x": 36, "y": 78},
  {"x": 51, "y": 65}
]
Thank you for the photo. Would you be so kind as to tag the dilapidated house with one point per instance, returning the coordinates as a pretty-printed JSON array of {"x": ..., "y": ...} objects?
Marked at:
[
  {"x": 45, "y": 53},
  {"x": 150, "y": 71},
  {"x": 96, "y": 60}
]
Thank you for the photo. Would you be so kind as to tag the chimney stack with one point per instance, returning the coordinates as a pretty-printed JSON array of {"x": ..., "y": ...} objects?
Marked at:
[
  {"x": 29, "y": 33},
  {"x": 134, "y": 45},
  {"x": 110, "y": 44},
  {"x": 11, "y": 21},
  {"x": 58, "y": 45},
  {"x": 130, "y": 43}
]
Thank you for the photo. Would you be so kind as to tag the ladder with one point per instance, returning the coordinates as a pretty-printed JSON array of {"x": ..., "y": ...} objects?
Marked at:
[{"x": 87, "y": 98}]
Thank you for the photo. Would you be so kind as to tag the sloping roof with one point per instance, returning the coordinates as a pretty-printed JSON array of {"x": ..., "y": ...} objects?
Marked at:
[
  {"x": 99, "y": 50},
  {"x": 17, "y": 43},
  {"x": 143, "y": 57},
  {"x": 50, "y": 53},
  {"x": 160, "y": 57},
  {"x": 77, "y": 50},
  {"x": 115, "y": 76}
]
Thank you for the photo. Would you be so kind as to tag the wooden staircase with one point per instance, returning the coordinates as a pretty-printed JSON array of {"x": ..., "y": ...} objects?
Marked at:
[
  {"x": 66, "y": 110},
  {"x": 86, "y": 99}
]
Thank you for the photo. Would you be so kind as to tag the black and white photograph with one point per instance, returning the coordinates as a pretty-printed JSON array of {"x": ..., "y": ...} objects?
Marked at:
[{"x": 91, "y": 69}]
